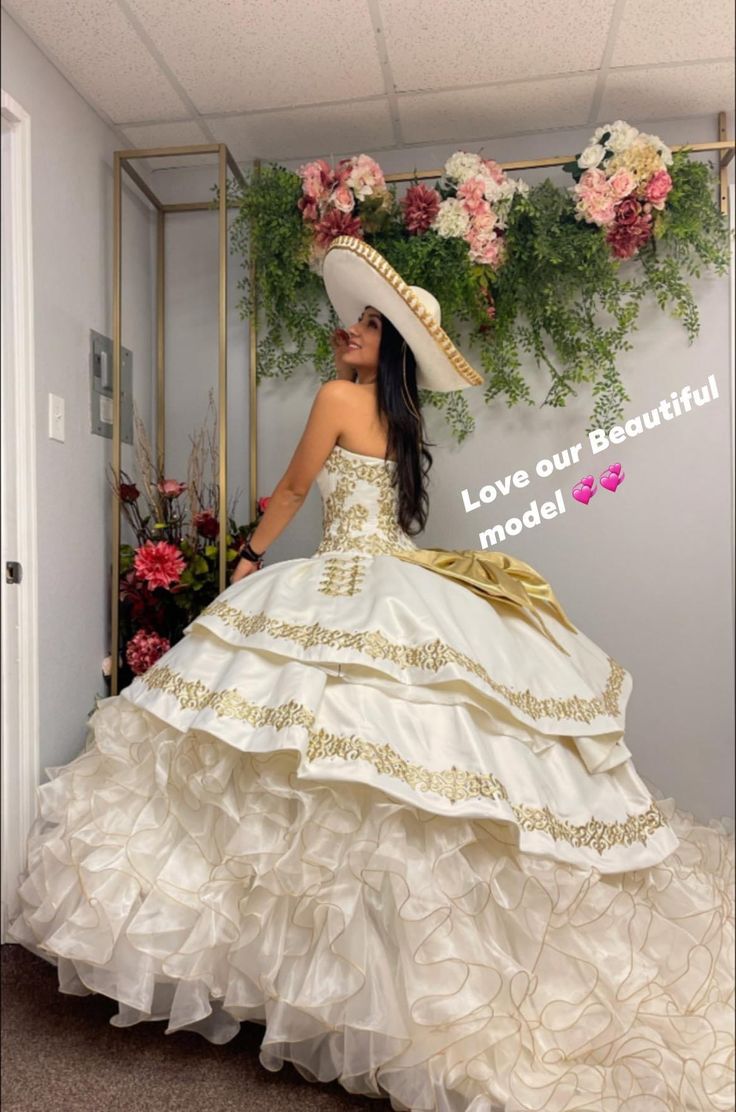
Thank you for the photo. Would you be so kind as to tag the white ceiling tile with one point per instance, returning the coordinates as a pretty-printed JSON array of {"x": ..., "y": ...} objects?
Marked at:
[
  {"x": 246, "y": 54},
  {"x": 98, "y": 51},
  {"x": 674, "y": 31},
  {"x": 307, "y": 132},
  {"x": 175, "y": 134},
  {"x": 496, "y": 110},
  {"x": 454, "y": 43},
  {"x": 667, "y": 91}
]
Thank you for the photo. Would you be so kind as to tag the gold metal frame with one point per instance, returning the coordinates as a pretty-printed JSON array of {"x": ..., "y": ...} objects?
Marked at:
[
  {"x": 225, "y": 161},
  {"x": 122, "y": 162}
]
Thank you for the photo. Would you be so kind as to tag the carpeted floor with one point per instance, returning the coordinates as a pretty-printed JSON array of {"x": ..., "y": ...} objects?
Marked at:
[{"x": 59, "y": 1054}]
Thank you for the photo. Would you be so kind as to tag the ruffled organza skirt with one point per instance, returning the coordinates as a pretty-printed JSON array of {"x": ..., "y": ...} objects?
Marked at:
[{"x": 413, "y": 956}]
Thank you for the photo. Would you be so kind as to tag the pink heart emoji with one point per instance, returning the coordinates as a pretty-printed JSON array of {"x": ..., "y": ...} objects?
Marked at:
[
  {"x": 611, "y": 480},
  {"x": 589, "y": 481},
  {"x": 583, "y": 493},
  {"x": 615, "y": 467}
]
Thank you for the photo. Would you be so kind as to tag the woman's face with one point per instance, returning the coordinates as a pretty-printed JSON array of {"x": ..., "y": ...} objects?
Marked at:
[{"x": 365, "y": 340}]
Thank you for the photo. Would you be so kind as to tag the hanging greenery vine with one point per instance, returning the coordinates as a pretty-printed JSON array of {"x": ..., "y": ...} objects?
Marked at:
[{"x": 557, "y": 273}]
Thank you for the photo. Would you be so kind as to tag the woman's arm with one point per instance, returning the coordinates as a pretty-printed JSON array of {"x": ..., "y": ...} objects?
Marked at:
[{"x": 323, "y": 428}]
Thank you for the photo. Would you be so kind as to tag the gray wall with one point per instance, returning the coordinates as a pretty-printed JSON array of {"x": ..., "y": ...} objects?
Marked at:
[
  {"x": 72, "y": 242},
  {"x": 646, "y": 571}
]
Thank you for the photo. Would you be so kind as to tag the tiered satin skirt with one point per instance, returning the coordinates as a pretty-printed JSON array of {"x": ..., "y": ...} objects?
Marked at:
[{"x": 364, "y": 816}]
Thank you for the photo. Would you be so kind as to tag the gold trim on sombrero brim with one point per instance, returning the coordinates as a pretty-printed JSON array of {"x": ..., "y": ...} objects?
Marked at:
[{"x": 438, "y": 334}]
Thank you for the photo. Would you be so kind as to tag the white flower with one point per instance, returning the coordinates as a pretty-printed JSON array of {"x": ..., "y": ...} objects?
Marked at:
[
  {"x": 622, "y": 136},
  {"x": 592, "y": 156},
  {"x": 107, "y": 666},
  {"x": 661, "y": 148},
  {"x": 463, "y": 165},
  {"x": 452, "y": 218}
]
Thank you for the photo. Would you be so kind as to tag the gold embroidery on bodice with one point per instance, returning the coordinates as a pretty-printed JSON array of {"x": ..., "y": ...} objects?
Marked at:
[{"x": 359, "y": 505}]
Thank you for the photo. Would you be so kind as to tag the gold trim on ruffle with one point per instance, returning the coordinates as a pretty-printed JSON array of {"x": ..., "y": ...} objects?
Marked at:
[
  {"x": 420, "y": 311},
  {"x": 453, "y": 784},
  {"x": 431, "y": 656}
]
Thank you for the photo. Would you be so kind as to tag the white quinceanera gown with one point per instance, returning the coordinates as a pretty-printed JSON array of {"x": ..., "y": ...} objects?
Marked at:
[{"x": 396, "y": 824}]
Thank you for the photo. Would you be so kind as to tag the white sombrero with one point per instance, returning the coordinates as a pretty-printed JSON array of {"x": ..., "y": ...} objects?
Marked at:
[{"x": 355, "y": 275}]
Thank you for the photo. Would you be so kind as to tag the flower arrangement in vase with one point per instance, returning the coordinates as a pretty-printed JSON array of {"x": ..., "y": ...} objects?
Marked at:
[{"x": 172, "y": 571}]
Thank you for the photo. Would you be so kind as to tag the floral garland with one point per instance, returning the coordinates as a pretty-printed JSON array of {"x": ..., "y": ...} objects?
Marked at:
[{"x": 517, "y": 268}]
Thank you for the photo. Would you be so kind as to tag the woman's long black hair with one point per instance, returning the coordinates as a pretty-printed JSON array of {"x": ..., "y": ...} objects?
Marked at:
[{"x": 406, "y": 439}]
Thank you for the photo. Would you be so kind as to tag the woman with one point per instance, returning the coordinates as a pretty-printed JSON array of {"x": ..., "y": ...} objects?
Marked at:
[{"x": 378, "y": 800}]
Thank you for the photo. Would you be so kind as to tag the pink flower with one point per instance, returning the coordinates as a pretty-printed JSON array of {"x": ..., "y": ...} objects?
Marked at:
[
  {"x": 483, "y": 223},
  {"x": 317, "y": 179},
  {"x": 263, "y": 503},
  {"x": 658, "y": 188},
  {"x": 621, "y": 183},
  {"x": 420, "y": 206},
  {"x": 343, "y": 171},
  {"x": 628, "y": 211},
  {"x": 334, "y": 224},
  {"x": 592, "y": 181},
  {"x": 493, "y": 169},
  {"x": 472, "y": 194},
  {"x": 627, "y": 235},
  {"x": 342, "y": 198},
  {"x": 159, "y": 563},
  {"x": 485, "y": 247},
  {"x": 365, "y": 177},
  {"x": 207, "y": 524},
  {"x": 144, "y": 649},
  {"x": 601, "y": 211},
  {"x": 309, "y": 209},
  {"x": 170, "y": 488}
]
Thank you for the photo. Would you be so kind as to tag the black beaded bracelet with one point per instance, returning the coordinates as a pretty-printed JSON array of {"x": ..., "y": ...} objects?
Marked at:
[{"x": 247, "y": 553}]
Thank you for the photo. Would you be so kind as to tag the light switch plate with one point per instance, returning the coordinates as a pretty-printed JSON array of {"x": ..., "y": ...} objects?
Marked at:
[{"x": 56, "y": 417}]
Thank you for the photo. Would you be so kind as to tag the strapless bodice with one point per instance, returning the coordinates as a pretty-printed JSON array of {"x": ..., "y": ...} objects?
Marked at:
[{"x": 359, "y": 505}]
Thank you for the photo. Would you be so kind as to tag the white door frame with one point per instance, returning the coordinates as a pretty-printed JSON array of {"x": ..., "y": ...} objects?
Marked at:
[{"x": 19, "y": 721}]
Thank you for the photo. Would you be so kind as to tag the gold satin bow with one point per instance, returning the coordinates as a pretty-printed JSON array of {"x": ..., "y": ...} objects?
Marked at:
[{"x": 496, "y": 577}]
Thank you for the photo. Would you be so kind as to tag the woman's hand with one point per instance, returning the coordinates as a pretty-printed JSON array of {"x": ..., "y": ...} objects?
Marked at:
[
  {"x": 339, "y": 341},
  {"x": 242, "y": 568}
]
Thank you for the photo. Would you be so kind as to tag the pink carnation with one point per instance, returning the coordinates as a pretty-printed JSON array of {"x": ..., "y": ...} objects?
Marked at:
[
  {"x": 159, "y": 563},
  {"x": 493, "y": 169},
  {"x": 420, "y": 206},
  {"x": 263, "y": 503},
  {"x": 658, "y": 188},
  {"x": 144, "y": 649},
  {"x": 472, "y": 194}
]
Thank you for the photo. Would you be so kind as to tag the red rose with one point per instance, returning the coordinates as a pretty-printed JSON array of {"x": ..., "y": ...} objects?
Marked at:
[
  {"x": 129, "y": 492},
  {"x": 207, "y": 524},
  {"x": 262, "y": 503}
]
